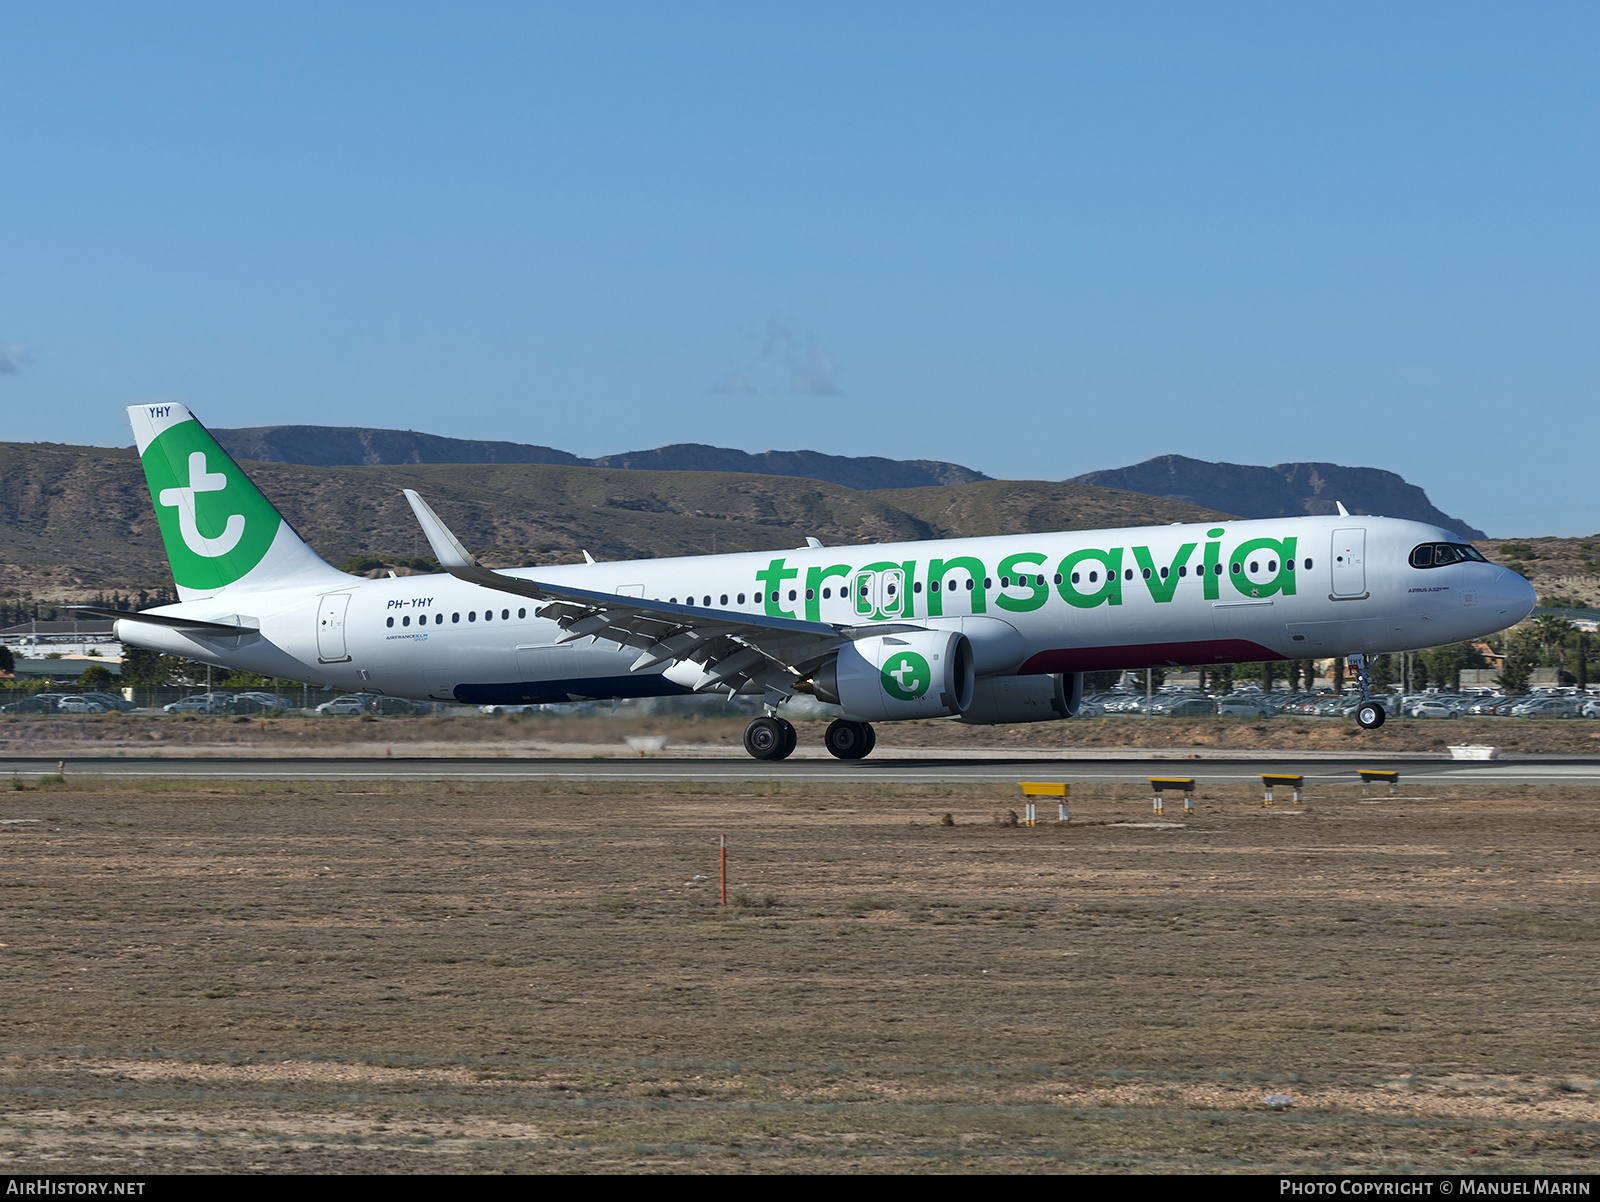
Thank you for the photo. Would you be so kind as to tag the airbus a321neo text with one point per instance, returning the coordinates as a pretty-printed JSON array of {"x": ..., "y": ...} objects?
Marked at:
[{"x": 982, "y": 630}]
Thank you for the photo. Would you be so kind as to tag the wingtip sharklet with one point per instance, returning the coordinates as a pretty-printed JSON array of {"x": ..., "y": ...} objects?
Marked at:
[
  {"x": 447, "y": 548},
  {"x": 455, "y": 559}
]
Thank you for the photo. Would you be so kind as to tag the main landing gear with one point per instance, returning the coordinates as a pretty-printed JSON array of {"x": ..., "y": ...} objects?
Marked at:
[
  {"x": 772, "y": 738},
  {"x": 1369, "y": 714},
  {"x": 849, "y": 740}
]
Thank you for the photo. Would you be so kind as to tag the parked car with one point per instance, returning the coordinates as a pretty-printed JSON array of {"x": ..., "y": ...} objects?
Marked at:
[
  {"x": 79, "y": 705},
  {"x": 1184, "y": 707},
  {"x": 1549, "y": 707},
  {"x": 1244, "y": 707},
  {"x": 39, "y": 703},
  {"x": 349, "y": 706},
  {"x": 258, "y": 703},
  {"x": 394, "y": 707},
  {"x": 111, "y": 702},
  {"x": 200, "y": 703},
  {"x": 1437, "y": 707}
]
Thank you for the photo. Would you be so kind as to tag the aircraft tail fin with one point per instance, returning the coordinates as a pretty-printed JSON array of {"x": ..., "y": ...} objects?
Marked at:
[{"x": 220, "y": 532}]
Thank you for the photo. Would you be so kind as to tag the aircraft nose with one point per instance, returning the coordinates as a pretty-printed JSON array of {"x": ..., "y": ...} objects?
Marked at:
[{"x": 1514, "y": 597}]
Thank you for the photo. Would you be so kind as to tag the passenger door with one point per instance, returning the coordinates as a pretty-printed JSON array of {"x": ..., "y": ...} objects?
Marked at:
[
  {"x": 1348, "y": 559},
  {"x": 879, "y": 595},
  {"x": 331, "y": 610}
]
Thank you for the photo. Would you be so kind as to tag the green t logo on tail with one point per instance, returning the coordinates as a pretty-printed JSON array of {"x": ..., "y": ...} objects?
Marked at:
[
  {"x": 182, "y": 499},
  {"x": 215, "y": 524}
]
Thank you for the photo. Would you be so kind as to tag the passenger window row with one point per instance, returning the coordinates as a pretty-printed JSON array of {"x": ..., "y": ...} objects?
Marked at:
[
  {"x": 472, "y": 616},
  {"x": 1425, "y": 556},
  {"x": 956, "y": 583}
]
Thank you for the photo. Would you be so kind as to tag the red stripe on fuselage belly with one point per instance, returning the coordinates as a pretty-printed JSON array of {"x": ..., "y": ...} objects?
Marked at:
[{"x": 1148, "y": 655}]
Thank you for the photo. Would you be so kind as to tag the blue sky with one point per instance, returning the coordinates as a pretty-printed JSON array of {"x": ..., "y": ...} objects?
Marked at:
[{"x": 1035, "y": 239}]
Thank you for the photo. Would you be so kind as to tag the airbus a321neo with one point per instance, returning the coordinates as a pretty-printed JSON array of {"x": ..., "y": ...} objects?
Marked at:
[{"x": 982, "y": 630}]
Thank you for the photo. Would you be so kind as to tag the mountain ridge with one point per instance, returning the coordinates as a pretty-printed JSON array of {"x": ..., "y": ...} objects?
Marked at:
[
  {"x": 359, "y": 446},
  {"x": 1283, "y": 490},
  {"x": 74, "y": 520},
  {"x": 1249, "y": 491}
]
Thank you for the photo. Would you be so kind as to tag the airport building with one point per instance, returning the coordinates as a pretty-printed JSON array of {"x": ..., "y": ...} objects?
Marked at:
[{"x": 89, "y": 637}]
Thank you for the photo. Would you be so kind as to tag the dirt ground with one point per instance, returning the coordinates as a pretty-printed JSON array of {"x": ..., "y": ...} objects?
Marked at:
[
  {"x": 397, "y": 977},
  {"x": 517, "y": 735}
]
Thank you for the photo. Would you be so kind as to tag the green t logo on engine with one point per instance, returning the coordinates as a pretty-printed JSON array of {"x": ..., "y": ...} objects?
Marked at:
[{"x": 906, "y": 676}]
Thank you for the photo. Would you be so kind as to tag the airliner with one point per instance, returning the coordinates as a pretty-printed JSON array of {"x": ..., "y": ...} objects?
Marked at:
[{"x": 979, "y": 630}]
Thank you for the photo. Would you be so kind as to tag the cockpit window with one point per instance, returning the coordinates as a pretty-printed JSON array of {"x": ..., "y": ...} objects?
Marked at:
[{"x": 1437, "y": 555}]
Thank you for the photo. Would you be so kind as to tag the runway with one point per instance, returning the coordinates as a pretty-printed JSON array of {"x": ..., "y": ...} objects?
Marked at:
[{"x": 1005, "y": 768}]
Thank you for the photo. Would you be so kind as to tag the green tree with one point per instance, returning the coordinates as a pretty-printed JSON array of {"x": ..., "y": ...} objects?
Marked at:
[
  {"x": 1445, "y": 664},
  {"x": 242, "y": 680},
  {"x": 96, "y": 674},
  {"x": 148, "y": 669},
  {"x": 1522, "y": 654},
  {"x": 1557, "y": 639},
  {"x": 1382, "y": 671}
]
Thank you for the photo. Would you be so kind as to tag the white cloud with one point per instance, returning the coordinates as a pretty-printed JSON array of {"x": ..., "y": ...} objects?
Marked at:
[
  {"x": 735, "y": 383},
  {"x": 13, "y": 358},
  {"x": 790, "y": 359}
]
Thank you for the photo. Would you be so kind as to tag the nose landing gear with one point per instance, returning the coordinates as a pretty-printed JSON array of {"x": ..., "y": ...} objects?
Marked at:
[{"x": 1369, "y": 714}]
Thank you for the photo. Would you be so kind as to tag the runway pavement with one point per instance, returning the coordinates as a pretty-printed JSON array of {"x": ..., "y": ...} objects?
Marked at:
[{"x": 923, "y": 769}]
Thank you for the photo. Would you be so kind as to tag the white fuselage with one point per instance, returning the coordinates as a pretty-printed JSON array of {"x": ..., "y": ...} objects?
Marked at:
[{"x": 1040, "y": 603}]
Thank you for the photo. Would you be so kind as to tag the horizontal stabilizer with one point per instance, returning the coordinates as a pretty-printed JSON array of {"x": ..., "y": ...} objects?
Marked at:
[{"x": 168, "y": 620}]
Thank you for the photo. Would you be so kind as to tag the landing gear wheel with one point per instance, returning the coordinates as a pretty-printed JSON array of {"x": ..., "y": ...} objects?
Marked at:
[
  {"x": 769, "y": 738},
  {"x": 1370, "y": 715},
  {"x": 849, "y": 740}
]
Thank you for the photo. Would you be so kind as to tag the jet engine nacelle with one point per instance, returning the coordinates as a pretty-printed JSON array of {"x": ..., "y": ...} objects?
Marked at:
[
  {"x": 916, "y": 674},
  {"x": 997, "y": 699}
]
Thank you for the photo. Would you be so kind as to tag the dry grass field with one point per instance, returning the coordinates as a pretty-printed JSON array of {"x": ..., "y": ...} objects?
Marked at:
[{"x": 392, "y": 977}]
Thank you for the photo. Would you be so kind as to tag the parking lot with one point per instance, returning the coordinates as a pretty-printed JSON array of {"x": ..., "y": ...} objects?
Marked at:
[{"x": 1168, "y": 703}]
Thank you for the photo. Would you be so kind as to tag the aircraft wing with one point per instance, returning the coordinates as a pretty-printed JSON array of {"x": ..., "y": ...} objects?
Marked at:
[{"x": 730, "y": 649}]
